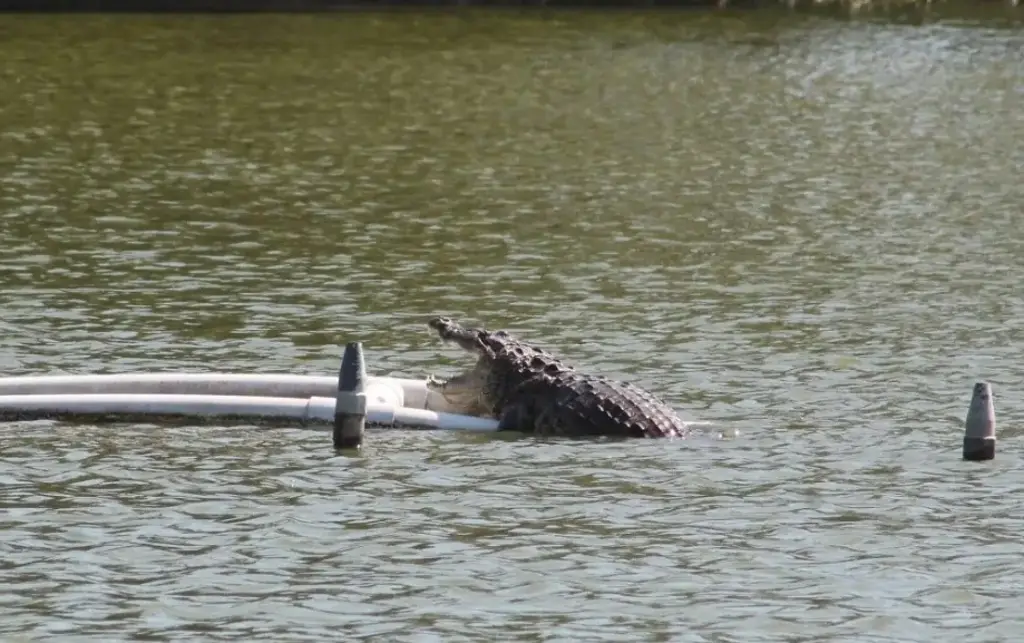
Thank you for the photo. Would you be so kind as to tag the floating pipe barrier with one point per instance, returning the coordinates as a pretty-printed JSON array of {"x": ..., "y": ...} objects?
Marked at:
[
  {"x": 148, "y": 407},
  {"x": 348, "y": 402},
  {"x": 411, "y": 392}
]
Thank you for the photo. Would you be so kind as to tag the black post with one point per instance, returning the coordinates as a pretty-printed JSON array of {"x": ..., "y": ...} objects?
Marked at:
[
  {"x": 350, "y": 402},
  {"x": 980, "y": 427}
]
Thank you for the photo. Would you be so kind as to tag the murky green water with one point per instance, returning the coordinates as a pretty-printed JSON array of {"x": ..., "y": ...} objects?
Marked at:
[{"x": 808, "y": 230}]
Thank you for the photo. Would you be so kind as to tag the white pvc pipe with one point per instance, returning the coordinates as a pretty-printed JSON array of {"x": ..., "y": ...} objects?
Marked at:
[
  {"x": 413, "y": 393},
  {"x": 315, "y": 409}
]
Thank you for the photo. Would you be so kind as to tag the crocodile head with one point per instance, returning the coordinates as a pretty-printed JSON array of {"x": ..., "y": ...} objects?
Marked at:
[
  {"x": 475, "y": 340},
  {"x": 503, "y": 364}
]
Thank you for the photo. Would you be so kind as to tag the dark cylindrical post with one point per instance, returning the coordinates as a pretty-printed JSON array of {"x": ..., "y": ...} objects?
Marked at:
[
  {"x": 350, "y": 403},
  {"x": 980, "y": 429}
]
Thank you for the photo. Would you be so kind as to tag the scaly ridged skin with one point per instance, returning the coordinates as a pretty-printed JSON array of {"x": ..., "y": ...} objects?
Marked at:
[{"x": 528, "y": 389}]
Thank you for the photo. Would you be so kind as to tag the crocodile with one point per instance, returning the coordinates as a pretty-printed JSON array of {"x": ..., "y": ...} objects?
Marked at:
[{"x": 528, "y": 389}]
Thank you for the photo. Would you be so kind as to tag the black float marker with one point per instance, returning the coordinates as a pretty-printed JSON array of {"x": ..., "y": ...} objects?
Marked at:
[
  {"x": 980, "y": 427},
  {"x": 350, "y": 403}
]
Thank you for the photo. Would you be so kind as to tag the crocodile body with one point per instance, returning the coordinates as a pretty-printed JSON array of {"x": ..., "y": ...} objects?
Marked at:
[{"x": 530, "y": 390}]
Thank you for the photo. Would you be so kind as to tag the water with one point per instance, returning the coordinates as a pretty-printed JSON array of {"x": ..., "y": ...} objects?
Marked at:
[{"x": 800, "y": 228}]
